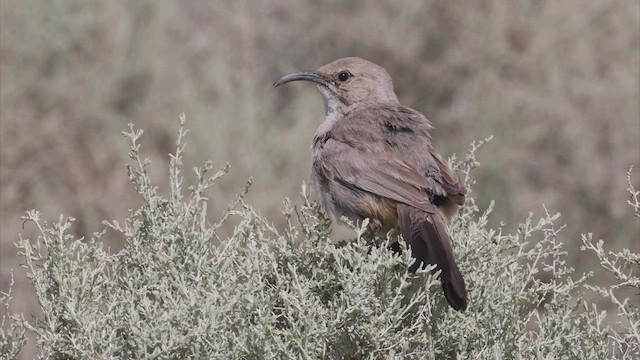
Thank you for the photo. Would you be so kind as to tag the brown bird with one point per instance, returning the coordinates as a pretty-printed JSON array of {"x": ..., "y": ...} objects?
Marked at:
[{"x": 372, "y": 158}]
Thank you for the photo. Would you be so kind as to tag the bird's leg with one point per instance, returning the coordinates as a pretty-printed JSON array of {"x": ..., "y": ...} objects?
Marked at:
[
  {"x": 374, "y": 225},
  {"x": 372, "y": 235},
  {"x": 376, "y": 237}
]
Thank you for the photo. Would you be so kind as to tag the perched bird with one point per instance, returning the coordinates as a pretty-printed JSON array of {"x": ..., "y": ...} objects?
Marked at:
[{"x": 373, "y": 158}]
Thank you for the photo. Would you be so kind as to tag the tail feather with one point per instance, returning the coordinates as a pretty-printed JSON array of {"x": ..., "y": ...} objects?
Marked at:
[
  {"x": 455, "y": 292},
  {"x": 427, "y": 236}
]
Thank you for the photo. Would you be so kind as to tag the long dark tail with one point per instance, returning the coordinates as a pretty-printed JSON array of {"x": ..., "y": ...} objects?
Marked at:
[{"x": 426, "y": 235}]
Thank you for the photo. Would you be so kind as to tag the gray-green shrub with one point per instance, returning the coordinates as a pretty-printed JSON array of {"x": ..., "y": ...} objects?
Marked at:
[{"x": 176, "y": 290}]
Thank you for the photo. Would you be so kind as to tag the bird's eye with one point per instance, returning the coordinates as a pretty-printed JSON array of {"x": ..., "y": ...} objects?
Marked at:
[{"x": 343, "y": 76}]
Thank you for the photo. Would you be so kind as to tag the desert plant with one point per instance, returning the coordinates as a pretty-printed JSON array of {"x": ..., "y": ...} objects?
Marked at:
[
  {"x": 12, "y": 337},
  {"x": 624, "y": 266},
  {"x": 179, "y": 290}
]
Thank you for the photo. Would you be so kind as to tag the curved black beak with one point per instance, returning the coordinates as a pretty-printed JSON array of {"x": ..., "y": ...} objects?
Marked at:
[{"x": 305, "y": 75}]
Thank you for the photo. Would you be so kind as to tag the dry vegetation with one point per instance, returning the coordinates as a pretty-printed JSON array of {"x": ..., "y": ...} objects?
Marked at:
[
  {"x": 555, "y": 82},
  {"x": 297, "y": 292}
]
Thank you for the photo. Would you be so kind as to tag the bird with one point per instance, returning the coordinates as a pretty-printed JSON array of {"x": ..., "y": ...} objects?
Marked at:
[{"x": 373, "y": 158}]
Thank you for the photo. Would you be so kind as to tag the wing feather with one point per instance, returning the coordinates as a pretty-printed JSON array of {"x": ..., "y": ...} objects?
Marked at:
[{"x": 386, "y": 176}]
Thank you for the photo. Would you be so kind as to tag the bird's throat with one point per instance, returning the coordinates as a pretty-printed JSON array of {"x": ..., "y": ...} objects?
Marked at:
[{"x": 331, "y": 102}]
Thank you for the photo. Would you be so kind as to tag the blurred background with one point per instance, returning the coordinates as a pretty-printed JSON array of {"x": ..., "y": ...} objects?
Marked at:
[{"x": 556, "y": 83}]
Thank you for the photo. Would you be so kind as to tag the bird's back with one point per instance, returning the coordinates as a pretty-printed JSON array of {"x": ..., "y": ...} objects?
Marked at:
[{"x": 401, "y": 131}]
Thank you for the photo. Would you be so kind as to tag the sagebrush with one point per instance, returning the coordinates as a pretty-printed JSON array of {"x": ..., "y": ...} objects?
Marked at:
[{"x": 178, "y": 290}]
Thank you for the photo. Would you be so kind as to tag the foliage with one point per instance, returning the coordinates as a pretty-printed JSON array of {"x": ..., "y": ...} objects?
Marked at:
[
  {"x": 12, "y": 338},
  {"x": 625, "y": 266},
  {"x": 178, "y": 290}
]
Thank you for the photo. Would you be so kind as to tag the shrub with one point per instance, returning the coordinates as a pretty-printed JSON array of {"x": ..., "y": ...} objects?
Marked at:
[{"x": 178, "y": 290}]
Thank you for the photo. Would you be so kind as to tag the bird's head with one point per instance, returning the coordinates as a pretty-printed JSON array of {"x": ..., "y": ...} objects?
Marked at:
[{"x": 347, "y": 82}]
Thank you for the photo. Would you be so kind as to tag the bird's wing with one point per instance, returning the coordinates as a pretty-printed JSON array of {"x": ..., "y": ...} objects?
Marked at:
[
  {"x": 455, "y": 189},
  {"x": 383, "y": 174},
  {"x": 405, "y": 133}
]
